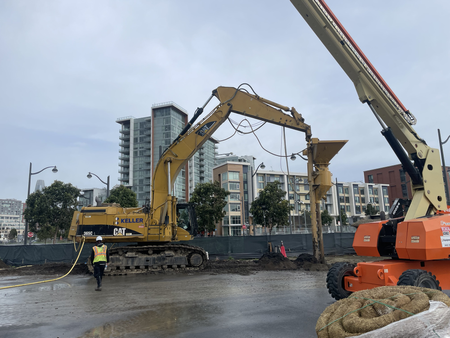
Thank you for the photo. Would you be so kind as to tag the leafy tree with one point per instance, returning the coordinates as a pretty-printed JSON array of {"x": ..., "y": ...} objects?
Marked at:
[
  {"x": 326, "y": 218},
  {"x": 45, "y": 232},
  {"x": 49, "y": 212},
  {"x": 344, "y": 218},
  {"x": 123, "y": 196},
  {"x": 270, "y": 208},
  {"x": 370, "y": 210},
  {"x": 209, "y": 199},
  {"x": 12, "y": 234}
]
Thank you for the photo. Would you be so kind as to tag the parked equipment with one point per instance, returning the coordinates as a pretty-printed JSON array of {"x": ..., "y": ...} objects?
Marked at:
[
  {"x": 417, "y": 242},
  {"x": 153, "y": 228}
]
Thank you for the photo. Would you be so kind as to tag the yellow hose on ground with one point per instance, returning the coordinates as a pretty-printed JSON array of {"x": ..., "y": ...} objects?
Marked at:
[{"x": 49, "y": 280}]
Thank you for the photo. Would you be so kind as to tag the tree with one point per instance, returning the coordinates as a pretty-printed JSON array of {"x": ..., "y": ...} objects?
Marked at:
[
  {"x": 123, "y": 196},
  {"x": 326, "y": 218},
  {"x": 370, "y": 210},
  {"x": 270, "y": 208},
  {"x": 209, "y": 199},
  {"x": 49, "y": 212},
  {"x": 344, "y": 218},
  {"x": 12, "y": 234}
]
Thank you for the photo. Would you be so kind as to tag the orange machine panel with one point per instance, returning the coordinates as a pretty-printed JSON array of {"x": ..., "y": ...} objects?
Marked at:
[
  {"x": 366, "y": 239},
  {"x": 369, "y": 275},
  {"x": 427, "y": 238}
]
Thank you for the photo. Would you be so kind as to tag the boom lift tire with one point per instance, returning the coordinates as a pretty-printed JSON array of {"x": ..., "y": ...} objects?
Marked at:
[
  {"x": 335, "y": 279},
  {"x": 420, "y": 278}
]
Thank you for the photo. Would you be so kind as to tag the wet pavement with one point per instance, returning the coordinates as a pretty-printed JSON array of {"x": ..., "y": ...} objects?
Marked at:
[{"x": 265, "y": 304}]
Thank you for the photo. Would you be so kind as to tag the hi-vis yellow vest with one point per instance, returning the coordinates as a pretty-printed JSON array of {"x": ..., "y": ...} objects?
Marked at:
[{"x": 99, "y": 254}]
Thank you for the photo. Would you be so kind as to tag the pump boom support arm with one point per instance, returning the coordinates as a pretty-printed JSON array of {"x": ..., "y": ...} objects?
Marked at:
[
  {"x": 395, "y": 119},
  {"x": 174, "y": 158}
]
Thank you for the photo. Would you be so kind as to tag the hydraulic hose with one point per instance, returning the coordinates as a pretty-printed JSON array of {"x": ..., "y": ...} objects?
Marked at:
[{"x": 49, "y": 280}]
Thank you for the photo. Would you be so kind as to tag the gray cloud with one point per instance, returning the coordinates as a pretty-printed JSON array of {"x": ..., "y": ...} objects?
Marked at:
[{"x": 70, "y": 69}]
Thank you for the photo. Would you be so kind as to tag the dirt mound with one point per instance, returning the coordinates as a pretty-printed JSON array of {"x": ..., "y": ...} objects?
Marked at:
[
  {"x": 3, "y": 265},
  {"x": 310, "y": 263},
  {"x": 276, "y": 261}
]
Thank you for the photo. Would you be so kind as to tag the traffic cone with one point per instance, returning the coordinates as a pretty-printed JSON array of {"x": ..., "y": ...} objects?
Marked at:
[{"x": 282, "y": 249}]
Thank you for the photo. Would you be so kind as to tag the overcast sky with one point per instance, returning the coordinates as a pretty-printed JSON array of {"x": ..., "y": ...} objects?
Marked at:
[{"x": 70, "y": 69}]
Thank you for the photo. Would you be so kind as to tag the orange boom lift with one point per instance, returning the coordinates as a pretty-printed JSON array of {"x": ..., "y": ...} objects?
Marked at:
[{"x": 416, "y": 238}]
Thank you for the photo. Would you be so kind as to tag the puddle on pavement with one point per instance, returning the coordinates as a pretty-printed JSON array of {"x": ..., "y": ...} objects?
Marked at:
[{"x": 168, "y": 319}]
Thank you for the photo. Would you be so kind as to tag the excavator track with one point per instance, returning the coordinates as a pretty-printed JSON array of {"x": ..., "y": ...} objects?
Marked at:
[{"x": 128, "y": 260}]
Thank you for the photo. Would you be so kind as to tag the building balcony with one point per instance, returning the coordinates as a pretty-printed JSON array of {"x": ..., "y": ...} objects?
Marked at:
[
  {"x": 124, "y": 144},
  {"x": 124, "y": 137},
  {"x": 124, "y": 157},
  {"x": 124, "y": 151}
]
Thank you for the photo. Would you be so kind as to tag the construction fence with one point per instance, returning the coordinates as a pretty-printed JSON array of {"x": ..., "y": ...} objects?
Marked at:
[{"x": 221, "y": 247}]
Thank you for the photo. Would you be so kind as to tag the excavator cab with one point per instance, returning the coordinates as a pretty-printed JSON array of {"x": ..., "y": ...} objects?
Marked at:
[{"x": 187, "y": 218}]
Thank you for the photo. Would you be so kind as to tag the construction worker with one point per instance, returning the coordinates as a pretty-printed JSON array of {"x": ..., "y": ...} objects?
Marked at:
[{"x": 100, "y": 260}]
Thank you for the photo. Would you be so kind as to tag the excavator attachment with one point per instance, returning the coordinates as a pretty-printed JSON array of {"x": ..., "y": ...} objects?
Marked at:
[{"x": 321, "y": 154}]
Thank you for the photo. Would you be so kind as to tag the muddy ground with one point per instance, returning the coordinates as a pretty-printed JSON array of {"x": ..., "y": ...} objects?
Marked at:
[{"x": 268, "y": 262}]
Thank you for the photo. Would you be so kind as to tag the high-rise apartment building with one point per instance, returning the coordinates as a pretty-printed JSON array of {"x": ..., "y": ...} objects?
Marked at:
[
  {"x": 201, "y": 164},
  {"x": 144, "y": 140}
]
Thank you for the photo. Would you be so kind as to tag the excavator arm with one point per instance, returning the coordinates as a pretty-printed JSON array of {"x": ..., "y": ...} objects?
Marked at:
[
  {"x": 395, "y": 119},
  {"x": 174, "y": 158}
]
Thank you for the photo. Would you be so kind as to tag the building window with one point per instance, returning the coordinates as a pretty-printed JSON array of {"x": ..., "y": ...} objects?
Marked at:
[
  {"x": 385, "y": 191},
  {"x": 224, "y": 177},
  {"x": 361, "y": 191},
  {"x": 370, "y": 178},
  {"x": 233, "y": 176},
  {"x": 226, "y": 221},
  {"x": 370, "y": 190},
  {"x": 234, "y": 186},
  {"x": 235, "y": 231},
  {"x": 235, "y": 219},
  {"x": 235, "y": 207},
  {"x": 234, "y": 197},
  {"x": 358, "y": 209},
  {"x": 404, "y": 191},
  {"x": 307, "y": 197},
  {"x": 402, "y": 176}
]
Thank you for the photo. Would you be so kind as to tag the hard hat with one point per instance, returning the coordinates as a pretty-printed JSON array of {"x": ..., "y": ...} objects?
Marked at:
[{"x": 99, "y": 238}]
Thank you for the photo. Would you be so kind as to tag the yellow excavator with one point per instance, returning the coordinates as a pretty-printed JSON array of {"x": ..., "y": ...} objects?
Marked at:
[{"x": 152, "y": 230}]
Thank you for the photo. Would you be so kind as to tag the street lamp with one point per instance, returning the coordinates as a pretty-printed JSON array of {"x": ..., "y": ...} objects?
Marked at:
[
  {"x": 25, "y": 235},
  {"x": 262, "y": 165},
  {"x": 447, "y": 194},
  {"x": 107, "y": 182}
]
